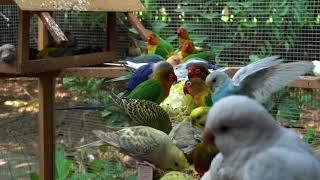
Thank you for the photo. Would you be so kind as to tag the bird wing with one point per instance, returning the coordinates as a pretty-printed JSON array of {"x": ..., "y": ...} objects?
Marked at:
[
  {"x": 278, "y": 163},
  {"x": 138, "y": 141},
  {"x": 255, "y": 67},
  {"x": 148, "y": 90},
  {"x": 140, "y": 75},
  {"x": 262, "y": 83}
]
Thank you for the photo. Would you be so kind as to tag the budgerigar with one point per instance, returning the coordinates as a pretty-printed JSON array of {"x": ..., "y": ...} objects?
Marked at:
[
  {"x": 156, "y": 88},
  {"x": 7, "y": 53},
  {"x": 145, "y": 144},
  {"x": 176, "y": 175},
  {"x": 253, "y": 145},
  {"x": 199, "y": 91},
  {"x": 156, "y": 45},
  {"x": 199, "y": 116},
  {"x": 257, "y": 80},
  {"x": 141, "y": 112}
]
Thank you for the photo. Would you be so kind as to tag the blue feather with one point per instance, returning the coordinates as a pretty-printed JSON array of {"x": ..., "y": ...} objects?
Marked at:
[
  {"x": 226, "y": 88},
  {"x": 140, "y": 75},
  {"x": 146, "y": 58}
]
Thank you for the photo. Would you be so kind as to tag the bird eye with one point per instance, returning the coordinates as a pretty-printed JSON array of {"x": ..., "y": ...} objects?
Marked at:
[
  {"x": 224, "y": 128},
  {"x": 198, "y": 71},
  {"x": 188, "y": 83},
  {"x": 214, "y": 80},
  {"x": 176, "y": 164},
  {"x": 171, "y": 75}
]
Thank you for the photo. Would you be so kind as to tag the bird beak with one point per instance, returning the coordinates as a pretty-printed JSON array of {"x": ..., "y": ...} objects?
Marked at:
[
  {"x": 208, "y": 137},
  {"x": 193, "y": 121},
  {"x": 185, "y": 90}
]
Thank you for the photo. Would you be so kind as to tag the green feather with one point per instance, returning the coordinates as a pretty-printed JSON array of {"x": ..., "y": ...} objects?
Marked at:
[
  {"x": 150, "y": 89},
  {"x": 203, "y": 55}
]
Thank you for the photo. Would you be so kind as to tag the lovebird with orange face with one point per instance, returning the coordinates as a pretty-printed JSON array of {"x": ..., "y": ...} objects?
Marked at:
[
  {"x": 200, "y": 92},
  {"x": 157, "y": 45},
  {"x": 189, "y": 51},
  {"x": 157, "y": 87},
  {"x": 183, "y": 35}
]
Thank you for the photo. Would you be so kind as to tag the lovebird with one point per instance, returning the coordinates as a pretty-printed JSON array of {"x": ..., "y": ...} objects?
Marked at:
[
  {"x": 257, "y": 80},
  {"x": 145, "y": 144},
  {"x": 54, "y": 50},
  {"x": 183, "y": 35},
  {"x": 157, "y": 88},
  {"x": 197, "y": 71},
  {"x": 176, "y": 175},
  {"x": 253, "y": 145},
  {"x": 200, "y": 92},
  {"x": 181, "y": 70},
  {"x": 188, "y": 51},
  {"x": 157, "y": 45}
]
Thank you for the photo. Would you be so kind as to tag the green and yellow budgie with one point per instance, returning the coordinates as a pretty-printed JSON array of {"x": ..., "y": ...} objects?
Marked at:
[
  {"x": 141, "y": 113},
  {"x": 157, "y": 88},
  {"x": 157, "y": 45},
  {"x": 199, "y": 116},
  {"x": 145, "y": 144}
]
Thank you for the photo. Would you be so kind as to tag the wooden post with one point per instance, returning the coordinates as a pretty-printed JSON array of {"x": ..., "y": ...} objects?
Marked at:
[
  {"x": 23, "y": 37},
  {"x": 111, "y": 32},
  {"x": 46, "y": 126},
  {"x": 134, "y": 21},
  {"x": 55, "y": 31},
  {"x": 43, "y": 35}
]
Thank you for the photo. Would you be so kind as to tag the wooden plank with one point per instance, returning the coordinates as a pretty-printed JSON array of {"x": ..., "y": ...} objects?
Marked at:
[
  {"x": 23, "y": 38},
  {"x": 134, "y": 21},
  {"x": 58, "y": 36},
  {"x": 52, "y": 64},
  {"x": 83, "y": 5},
  {"x": 7, "y": 2},
  {"x": 46, "y": 127},
  {"x": 97, "y": 72},
  {"x": 43, "y": 35},
  {"x": 8, "y": 68},
  {"x": 111, "y": 32}
]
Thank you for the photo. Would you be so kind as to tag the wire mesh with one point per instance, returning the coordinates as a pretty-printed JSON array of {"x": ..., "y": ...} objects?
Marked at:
[{"x": 236, "y": 32}]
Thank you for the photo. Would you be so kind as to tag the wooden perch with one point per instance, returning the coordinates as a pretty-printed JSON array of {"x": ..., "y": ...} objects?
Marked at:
[
  {"x": 53, "y": 28},
  {"x": 137, "y": 24}
]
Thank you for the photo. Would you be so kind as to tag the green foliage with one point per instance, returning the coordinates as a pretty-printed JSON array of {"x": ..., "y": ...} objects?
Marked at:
[
  {"x": 289, "y": 110},
  {"x": 267, "y": 22},
  {"x": 311, "y": 136},
  {"x": 96, "y": 169}
]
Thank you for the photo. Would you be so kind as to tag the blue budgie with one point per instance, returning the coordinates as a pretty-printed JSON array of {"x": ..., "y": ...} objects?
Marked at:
[{"x": 257, "y": 80}]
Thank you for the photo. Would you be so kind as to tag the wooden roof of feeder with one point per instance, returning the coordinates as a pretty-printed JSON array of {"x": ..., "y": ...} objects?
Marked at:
[{"x": 80, "y": 5}]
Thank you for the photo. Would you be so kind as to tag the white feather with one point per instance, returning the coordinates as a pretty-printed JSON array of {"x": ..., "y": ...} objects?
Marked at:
[{"x": 316, "y": 69}]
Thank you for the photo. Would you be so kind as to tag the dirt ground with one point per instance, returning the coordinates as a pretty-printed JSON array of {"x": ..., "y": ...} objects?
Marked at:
[{"x": 18, "y": 122}]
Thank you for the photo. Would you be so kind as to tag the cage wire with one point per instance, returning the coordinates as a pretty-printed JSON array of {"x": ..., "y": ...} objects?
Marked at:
[{"x": 236, "y": 33}]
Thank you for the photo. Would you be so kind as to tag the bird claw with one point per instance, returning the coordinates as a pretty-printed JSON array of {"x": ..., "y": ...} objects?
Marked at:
[{"x": 145, "y": 163}]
